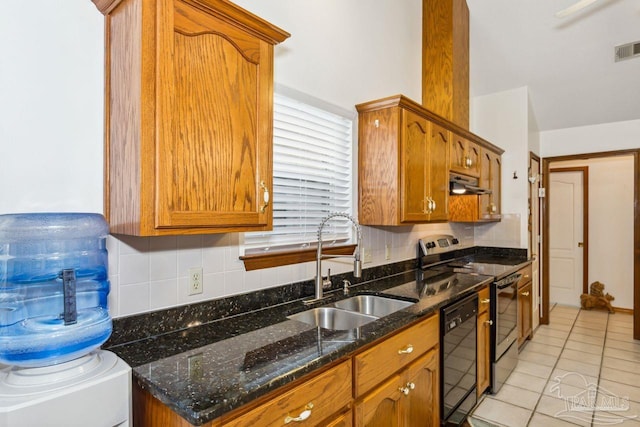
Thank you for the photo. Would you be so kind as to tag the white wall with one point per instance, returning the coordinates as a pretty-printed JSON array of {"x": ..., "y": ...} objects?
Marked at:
[
  {"x": 613, "y": 266},
  {"x": 51, "y": 113},
  {"x": 610, "y": 224},
  {"x": 503, "y": 118},
  {"x": 346, "y": 51},
  {"x": 591, "y": 139},
  {"x": 51, "y": 125}
]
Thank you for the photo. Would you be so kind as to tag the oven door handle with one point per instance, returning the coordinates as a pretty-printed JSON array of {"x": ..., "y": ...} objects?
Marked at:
[{"x": 508, "y": 281}]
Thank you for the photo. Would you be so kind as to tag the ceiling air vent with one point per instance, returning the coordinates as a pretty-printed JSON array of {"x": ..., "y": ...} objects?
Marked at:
[{"x": 627, "y": 51}]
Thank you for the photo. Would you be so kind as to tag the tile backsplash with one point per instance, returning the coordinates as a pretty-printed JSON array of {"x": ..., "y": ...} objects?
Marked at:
[
  {"x": 150, "y": 273},
  {"x": 505, "y": 233}
]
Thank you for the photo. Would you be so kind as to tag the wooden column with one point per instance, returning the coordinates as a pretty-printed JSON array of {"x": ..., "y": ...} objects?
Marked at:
[{"x": 445, "y": 59}]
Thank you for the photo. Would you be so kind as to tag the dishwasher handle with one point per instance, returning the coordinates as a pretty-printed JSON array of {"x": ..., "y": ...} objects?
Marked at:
[{"x": 508, "y": 281}]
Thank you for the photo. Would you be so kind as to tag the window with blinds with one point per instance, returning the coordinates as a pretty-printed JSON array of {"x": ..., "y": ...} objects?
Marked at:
[{"x": 312, "y": 177}]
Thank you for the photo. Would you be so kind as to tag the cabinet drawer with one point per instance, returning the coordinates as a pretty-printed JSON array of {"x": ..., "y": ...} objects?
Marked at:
[
  {"x": 323, "y": 395},
  {"x": 484, "y": 300},
  {"x": 379, "y": 362},
  {"x": 526, "y": 276}
]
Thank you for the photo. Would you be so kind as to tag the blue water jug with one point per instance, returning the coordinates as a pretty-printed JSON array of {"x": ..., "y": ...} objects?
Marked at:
[{"x": 53, "y": 287}]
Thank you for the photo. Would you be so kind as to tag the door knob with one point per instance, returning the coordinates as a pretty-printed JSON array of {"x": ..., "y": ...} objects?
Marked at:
[{"x": 580, "y": 244}]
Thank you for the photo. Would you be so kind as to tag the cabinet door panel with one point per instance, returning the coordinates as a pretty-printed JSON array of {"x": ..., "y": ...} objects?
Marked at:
[
  {"x": 484, "y": 347},
  {"x": 414, "y": 167},
  {"x": 439, "y": 172},
  {"x": 473, "y": 152},
  {"x": 422, "y": 402},
  {"x": 211, "y": 152},
  {"x": 344, "y": 420},
  {"x": 382, "y": 407},
  {"x": 485, "y": 182},
  {"x": 524, "y": 313},
  {"x": 496, "y": 186}
]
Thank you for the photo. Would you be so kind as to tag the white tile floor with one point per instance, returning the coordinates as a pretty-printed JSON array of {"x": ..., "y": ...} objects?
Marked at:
[{"x": 581, "y": 369}]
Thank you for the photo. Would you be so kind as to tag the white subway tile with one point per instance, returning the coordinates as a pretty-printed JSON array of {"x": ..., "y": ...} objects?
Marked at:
[
  {"x": 134, "y": 298},
  {"x": 132, "y": 244},
  {"x": 113, "y": 253},
  {"x": 233, "y": 282},
  {"x": 134, "y": 268},
  {"x": 163, "y": 260},
  {"x": 213, "y": 259},
  {"x": 113, "y": 296},
  {"x": 163, "y": 293}
]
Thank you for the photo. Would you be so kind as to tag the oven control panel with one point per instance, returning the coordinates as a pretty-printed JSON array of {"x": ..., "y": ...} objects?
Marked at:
[{"x": 438, "y": 244}]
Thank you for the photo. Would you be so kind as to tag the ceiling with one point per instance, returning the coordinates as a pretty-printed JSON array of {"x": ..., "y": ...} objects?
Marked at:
[{"x": 567, "y": 64}]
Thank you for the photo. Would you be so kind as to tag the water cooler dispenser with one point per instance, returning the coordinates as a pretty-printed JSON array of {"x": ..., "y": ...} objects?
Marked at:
[{"x": 53, "y": 318}]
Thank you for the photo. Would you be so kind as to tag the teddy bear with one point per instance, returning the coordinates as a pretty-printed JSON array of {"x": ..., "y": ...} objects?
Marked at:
[{"x": 596, "y": 298}]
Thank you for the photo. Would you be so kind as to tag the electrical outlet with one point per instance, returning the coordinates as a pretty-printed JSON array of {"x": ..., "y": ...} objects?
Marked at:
[
  {"x": 387, "y": 252},
  {"x": 367, "y": 255},
  {"x": 195, "y": 280}
]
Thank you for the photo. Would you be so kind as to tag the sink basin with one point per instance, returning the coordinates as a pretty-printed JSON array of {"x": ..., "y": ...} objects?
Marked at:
[
  {"x": 372, "y": 305},
  {"x": 332, "y": 318}
]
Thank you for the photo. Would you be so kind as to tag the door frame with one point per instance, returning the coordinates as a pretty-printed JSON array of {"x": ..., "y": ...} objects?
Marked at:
[
  {"x": 585, "y": 219},
  {"x": 544, "y": 315},
  {"x": 536, "y": 240}
]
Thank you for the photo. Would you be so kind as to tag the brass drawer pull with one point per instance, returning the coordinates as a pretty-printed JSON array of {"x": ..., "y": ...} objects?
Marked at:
[
  {"x": 489, "y": 322},
  {"x": 407, "y": 350},
  {"x": 485, "y": 300},
  {"x": 525, "y": 294},
  {"x": 303, "y": 415}
]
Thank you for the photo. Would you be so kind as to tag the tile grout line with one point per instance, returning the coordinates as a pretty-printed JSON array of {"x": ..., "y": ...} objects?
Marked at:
[
  {"x": 533, "y": 412},
  {"x": 604, "y": 343}
]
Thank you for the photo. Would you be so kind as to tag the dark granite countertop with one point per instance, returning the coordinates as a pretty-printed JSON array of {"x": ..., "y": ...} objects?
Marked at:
[{"x": 206, "y": 370}]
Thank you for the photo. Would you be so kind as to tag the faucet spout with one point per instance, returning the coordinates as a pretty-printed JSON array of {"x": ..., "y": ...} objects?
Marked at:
[{"x": 322, "y": 284}]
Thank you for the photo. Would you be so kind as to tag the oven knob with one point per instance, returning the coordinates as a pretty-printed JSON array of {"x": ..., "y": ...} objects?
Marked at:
[
  {"x": 431, "y": 245},
  {"x": 454, "y": 241}
]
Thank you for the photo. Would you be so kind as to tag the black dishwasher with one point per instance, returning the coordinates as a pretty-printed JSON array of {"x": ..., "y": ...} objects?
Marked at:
[{"x": 458, "y": 360}]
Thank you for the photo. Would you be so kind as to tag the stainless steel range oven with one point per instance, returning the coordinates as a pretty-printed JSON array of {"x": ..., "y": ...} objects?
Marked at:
[{"x": 504, "y": 332}]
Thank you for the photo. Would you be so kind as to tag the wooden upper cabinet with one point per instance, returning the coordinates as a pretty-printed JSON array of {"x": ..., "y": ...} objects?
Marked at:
[
  {"x": 189, "y": 117},
  {"x": 483, "y": 207},
  {"x": 403, "y": 164},
  {"x": 438, "y": 172},
  {"x": 490, "y": 177},
  {"x": 465, "y": 156}
]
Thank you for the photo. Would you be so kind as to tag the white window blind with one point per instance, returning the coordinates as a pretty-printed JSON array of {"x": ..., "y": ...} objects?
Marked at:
[{"x": 312, "y": 177}]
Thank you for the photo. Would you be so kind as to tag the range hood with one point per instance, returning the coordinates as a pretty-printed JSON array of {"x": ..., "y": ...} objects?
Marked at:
[{"x": 462, "y": 184}]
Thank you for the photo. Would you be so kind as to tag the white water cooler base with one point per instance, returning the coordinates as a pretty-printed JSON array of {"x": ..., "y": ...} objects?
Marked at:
[{"x": 92, "y": 391}]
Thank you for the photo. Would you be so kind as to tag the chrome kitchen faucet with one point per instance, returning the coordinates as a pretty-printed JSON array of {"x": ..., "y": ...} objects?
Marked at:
[{"x": 322, "y": 284}]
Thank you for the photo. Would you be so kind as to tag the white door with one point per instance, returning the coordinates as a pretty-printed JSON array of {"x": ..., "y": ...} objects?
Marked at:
[{"x": 565, "y": 237}]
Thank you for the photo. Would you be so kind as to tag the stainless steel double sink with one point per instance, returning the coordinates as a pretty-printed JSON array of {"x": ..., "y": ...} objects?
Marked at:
[{"x": 352, "y": 312}]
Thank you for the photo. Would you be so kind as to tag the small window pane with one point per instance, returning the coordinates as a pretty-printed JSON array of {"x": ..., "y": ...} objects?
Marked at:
[{"x": 312, "y": 176}]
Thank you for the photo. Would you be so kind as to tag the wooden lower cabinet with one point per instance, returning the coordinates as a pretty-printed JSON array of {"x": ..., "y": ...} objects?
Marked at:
[
  {"x": 342, "y": 420},
  {"x": 525, "y": 302},
  {"x": 484, "y": 341},
  {"x": 309, "y": 404},
  {"x": 394, "y": 382},
  {"x": 410, "y": 398},
  {"x": 484, "y": 353},
  {"x": 524, "y": 313}
]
